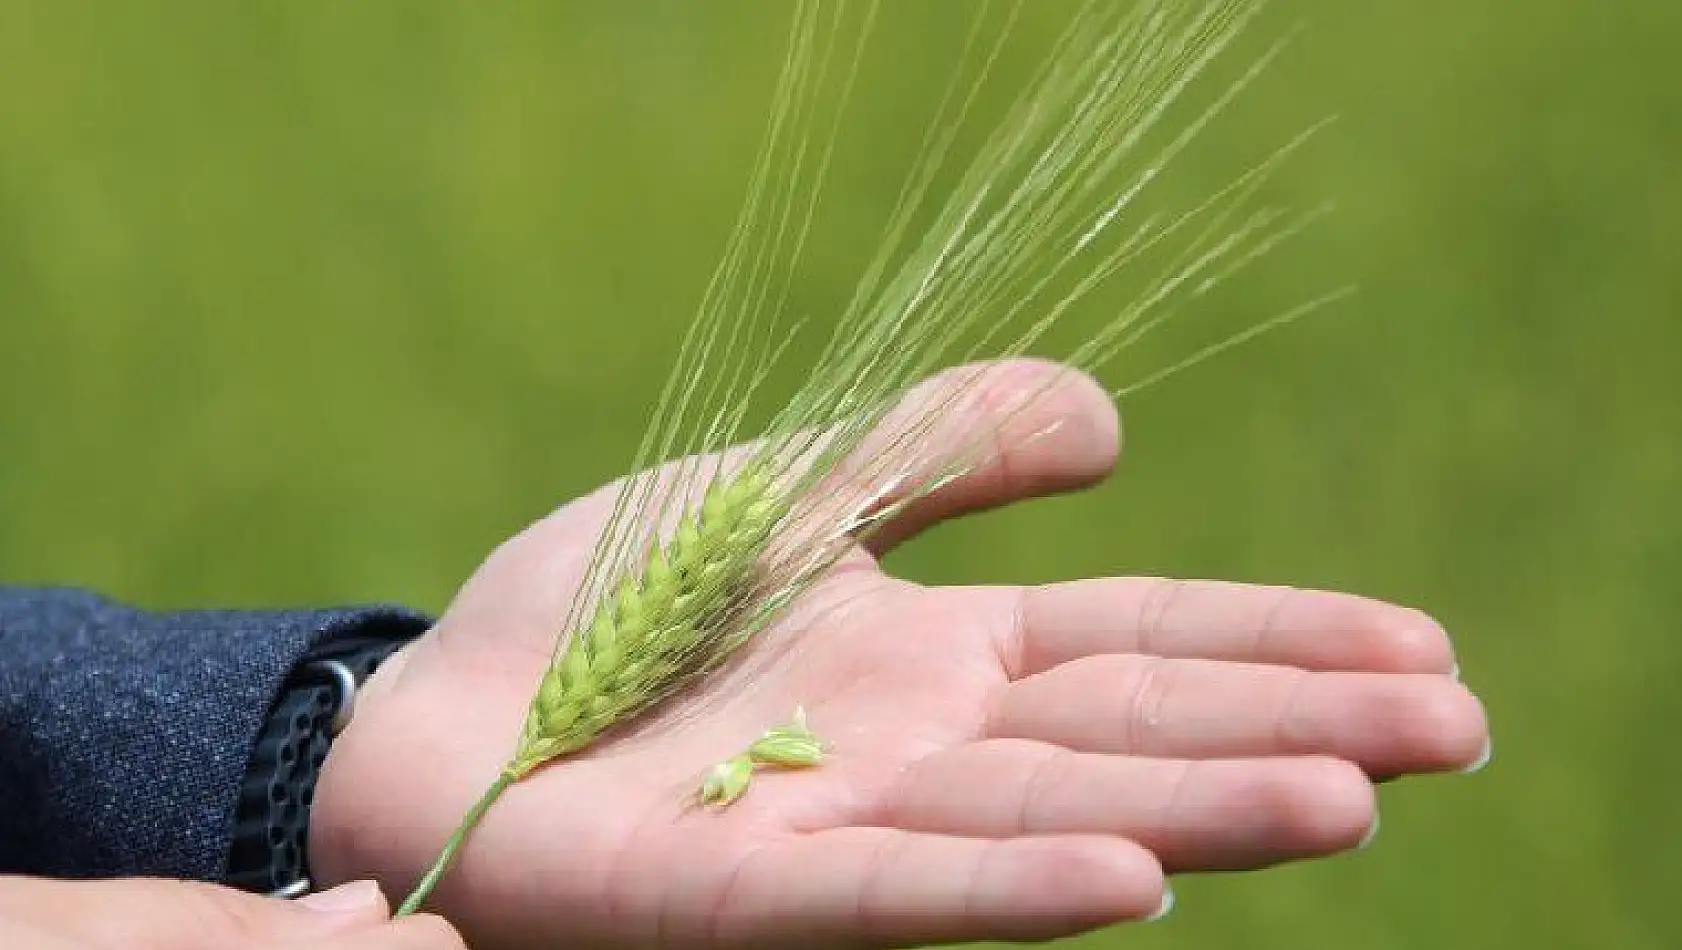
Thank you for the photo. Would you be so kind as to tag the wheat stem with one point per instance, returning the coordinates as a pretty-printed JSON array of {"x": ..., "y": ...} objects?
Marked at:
[{"x": 468, "y": 822}]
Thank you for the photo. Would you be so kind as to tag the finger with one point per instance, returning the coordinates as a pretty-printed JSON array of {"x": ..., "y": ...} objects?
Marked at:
[
  {"x": 419, "y": 932},
  {"x": 872, "y": 887},
  {"x": 146, "y": 913},
  {"x": 1388, "y": 723},
  {"x": 1220, "y": 815},
  {"x": 1027, "y": 427},
  {"x": 1314, "y": 630}
]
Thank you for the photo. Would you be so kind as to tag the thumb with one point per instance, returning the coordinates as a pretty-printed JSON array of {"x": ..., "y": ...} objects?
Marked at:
[
  {"x": 153, "y": 914},
  {"x": 1030, "y": 428},
  {"x": 415, "y": 932}
]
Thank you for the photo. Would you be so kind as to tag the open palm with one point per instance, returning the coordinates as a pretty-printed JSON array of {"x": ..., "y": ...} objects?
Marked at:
[{"x": 1007, "y": 763}]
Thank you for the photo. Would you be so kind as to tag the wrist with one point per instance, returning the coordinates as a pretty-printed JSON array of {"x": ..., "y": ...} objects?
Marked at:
[
  {"x": 333, "y": 840},
  {"x": 270, "y": 852}
]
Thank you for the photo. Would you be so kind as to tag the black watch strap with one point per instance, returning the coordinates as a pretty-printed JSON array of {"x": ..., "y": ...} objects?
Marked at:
[{"x": 271, "y": 820}]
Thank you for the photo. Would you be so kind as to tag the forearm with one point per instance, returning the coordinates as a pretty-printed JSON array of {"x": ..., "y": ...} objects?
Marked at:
[{"x": 124, "y": 734}]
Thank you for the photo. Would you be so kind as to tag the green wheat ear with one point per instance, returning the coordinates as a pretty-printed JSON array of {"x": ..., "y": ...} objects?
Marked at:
[
  {"x": 680, "y": 615},
  {"x": 1033, "y": 226},
  {"x": 661, "y": 625}
]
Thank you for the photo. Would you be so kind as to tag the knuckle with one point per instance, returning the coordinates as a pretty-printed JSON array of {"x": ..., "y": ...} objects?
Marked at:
[
  {"x": 1147, "y": 693},
  {"x": 1113, "y": 880},
  {"x": 1154, "y": 605},
  {"x": 1314, "y": 806},
  {"x": 1036, "y": 802},
  {"x": 1440, "y": 721},
  {"x": 1417, "y": 646}
]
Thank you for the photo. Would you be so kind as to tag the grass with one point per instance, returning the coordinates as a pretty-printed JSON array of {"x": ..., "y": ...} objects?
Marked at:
[{"x": 316, "y": 304}]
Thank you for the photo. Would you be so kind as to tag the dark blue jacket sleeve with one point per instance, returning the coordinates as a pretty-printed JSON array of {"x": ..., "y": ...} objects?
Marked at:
[{"x": 124, "y": 735}]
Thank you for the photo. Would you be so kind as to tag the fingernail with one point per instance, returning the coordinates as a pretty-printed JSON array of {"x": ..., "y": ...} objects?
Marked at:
[
  {"x": 355, "y": 897},
  {"x": 1163, "y": 908},
  {"x": 1482, "y": 761},
  {"x": 1372, "y": 832}
]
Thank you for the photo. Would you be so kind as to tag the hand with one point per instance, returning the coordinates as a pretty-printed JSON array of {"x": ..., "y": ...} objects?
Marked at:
[
  {"x": 1008, "y": 763},
  {"x": 150, "y": 914}
]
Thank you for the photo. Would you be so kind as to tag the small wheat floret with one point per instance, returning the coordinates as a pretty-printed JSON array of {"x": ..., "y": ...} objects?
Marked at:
[
  {"x": 726, "y": 781},
  {"x": 792, "y": 745}
]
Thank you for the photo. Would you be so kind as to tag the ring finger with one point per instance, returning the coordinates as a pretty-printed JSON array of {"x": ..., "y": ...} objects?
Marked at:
[{"x": 1231, "y": 814}]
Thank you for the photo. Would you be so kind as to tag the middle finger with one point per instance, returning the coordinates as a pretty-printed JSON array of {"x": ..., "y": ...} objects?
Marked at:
[{"x": 1387, "y": 723}]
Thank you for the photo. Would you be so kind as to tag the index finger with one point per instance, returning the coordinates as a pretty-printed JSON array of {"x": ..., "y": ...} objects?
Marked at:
[{"x": 1214, "y": 620}]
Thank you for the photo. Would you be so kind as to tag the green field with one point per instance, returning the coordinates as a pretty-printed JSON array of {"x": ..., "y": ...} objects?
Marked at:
[{"x": 314, "y": 303}]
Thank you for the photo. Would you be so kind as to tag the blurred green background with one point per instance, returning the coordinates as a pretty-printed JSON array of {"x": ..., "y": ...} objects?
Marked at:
[{"x": 314, "y": 303}]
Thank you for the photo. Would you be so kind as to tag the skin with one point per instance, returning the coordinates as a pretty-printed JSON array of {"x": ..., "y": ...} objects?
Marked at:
[
  {"x": 1008, "y": 763},
  {"x": 146, "y": 914}
]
